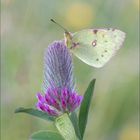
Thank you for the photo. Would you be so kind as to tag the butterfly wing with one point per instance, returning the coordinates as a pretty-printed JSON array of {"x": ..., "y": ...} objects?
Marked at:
[{"x": 96, "y": 46}]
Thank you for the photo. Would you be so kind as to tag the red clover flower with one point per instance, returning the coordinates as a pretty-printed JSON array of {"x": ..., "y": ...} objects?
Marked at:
[{"x": 59, "y": 86}]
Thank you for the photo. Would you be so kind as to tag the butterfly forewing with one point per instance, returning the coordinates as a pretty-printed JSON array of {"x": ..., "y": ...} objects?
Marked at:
[{"x": 96, "y": 46}]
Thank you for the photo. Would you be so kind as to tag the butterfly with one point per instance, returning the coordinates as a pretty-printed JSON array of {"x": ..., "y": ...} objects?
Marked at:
[{"x": 95, "y": 47}]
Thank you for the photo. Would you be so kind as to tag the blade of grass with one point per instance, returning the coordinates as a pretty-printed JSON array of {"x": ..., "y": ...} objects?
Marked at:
[
  {"x": 84, "y": 109},
  {"x": 34, "y": 112}
]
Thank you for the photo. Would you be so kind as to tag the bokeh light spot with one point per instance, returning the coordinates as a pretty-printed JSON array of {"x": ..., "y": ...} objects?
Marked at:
[
  {"x": 79, "y": 15},
  {"x": 130, "y": 134}
]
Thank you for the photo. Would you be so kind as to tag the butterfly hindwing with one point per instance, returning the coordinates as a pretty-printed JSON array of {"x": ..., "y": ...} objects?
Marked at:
[{"x": 96, "y": 46}]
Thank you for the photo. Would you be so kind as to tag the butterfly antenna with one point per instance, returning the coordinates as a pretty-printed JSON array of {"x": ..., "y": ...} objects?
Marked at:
[{"x": 59, "y": 25}]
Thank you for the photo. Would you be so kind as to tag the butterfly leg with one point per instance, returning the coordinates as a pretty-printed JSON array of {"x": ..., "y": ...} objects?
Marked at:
[{"x": 74, "y": 45}]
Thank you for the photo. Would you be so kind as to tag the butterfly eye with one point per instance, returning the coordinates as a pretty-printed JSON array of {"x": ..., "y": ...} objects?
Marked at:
[{"x": 97, "y": 59}]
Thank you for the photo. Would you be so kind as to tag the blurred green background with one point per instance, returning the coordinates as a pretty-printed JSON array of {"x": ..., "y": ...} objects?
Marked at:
[{"x": 26, "y": 31}]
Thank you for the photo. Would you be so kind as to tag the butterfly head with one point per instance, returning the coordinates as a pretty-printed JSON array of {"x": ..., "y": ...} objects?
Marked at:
[
  {"x": 68, "y": 39},
  {"x": 67, "y": 35}
]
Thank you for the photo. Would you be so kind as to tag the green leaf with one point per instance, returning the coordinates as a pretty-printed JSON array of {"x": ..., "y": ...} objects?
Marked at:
[
  {"x": 35, "y": 112},
  {"x": 46, "y": 135},
  {"x": 65, "y": 127},
  {"x": 84, "y": 109},
  {"x": 74, "y": 120}
]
